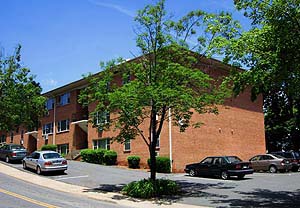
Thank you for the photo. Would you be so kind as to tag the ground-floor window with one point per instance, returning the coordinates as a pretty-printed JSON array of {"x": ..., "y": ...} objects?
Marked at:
[
  {"x": 63, "y": 148},
  {"x": 3, "y": 139},
  {"x": 127, "y": 145},
  {"x": 101, "y": 144}
]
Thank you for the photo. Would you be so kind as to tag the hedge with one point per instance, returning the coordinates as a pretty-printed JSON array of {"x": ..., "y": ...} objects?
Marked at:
[
  {"x": 162, "y": 164},
  {"x": 99, "y": 156},
  {"x": 133, "y": 161},
  {"x": 52, "y": 147}
]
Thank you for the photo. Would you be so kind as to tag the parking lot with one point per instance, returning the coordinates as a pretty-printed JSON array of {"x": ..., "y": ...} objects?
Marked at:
[{"x": 257, "y": 190}]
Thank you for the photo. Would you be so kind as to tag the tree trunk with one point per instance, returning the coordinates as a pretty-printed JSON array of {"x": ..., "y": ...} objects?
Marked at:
[{"x": 152, "y": 162}]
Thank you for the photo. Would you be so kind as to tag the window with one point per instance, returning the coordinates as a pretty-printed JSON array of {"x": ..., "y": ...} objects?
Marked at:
[
  {"x": 101, "y": 144},
  {"x": 125, "y": 78},
  {"x": 207, "y": 160},
  {"x": 50, "y": 103},
  {"x": 64, "y": 99},
  {"x": 11, "y": 137},
  {"x": 158, "y": 142},
  {"x": 48, "y": 128},
  {"x": 63, "y": 125},
  {"x": 127, "y": 145},
  {"x": 102, "y": 118},
  {"x": 3, "y": 139},
  {"x": 63, "y": 148}
]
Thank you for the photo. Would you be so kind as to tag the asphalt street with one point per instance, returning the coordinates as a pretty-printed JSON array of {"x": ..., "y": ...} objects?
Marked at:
[
  {"x": 16, "y": 193},
  {"x": 257, "y": 190}
]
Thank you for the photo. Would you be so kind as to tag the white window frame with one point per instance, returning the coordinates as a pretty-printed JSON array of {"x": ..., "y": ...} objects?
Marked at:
[
  {"x": 96, "y": 144},
  {"x": 59, "y": 125},
  {"x": 2, "y": 139},
  {"x": 45, "y": 127},
  {"x": 128, "y": 142},
  {"x": 102, "y": 118},
  {"x": 59, "y": 148}
]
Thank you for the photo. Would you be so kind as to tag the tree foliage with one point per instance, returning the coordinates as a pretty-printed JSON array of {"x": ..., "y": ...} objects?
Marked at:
[
  {"x": 165, "y": 77},
  {"x": 271, "y": 52},
  {"x": 20, "y": 99}
]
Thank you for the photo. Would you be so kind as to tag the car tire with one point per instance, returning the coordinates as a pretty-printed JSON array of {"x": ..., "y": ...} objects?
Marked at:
[
  {"x": 241, "y": 176},
  {"x": 272, "y": 169},
  {"x": 24, "y": 166},
  {"x": 192, "y": 172},
  {"x": 7, "y": 159},
  {"x": 38, "y": 170},
  {"x": 224, "y": 175}
]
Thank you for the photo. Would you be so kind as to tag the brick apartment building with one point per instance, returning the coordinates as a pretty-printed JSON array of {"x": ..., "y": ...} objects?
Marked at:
[{"x": 238, "y": 129}]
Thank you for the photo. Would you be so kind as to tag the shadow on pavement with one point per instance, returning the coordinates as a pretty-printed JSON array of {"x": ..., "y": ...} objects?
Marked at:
[
  {"x": 263, "y": 198},
  {"x": 187, "y": 189}
]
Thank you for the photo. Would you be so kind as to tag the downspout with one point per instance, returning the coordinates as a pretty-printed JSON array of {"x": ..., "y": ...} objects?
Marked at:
[
  {"x": 170, "y": 140},
  {"x": 54, "y": 118}
]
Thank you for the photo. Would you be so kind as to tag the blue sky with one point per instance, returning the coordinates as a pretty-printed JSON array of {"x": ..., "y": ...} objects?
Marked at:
[{"x": 64, "y": 39}]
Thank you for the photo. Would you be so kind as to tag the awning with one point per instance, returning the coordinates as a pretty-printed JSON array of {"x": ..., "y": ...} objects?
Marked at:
[
  {"x": 33, "y": 133},
  {"x": 82, "y": 124}
]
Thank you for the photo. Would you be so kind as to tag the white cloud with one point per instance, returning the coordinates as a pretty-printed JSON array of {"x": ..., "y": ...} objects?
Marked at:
[
  {"x": 113, "y": 6},
  {"x": 49, "y": 82}
]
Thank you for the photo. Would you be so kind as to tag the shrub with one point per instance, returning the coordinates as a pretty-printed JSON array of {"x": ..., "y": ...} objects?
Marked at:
[
  {"x": 110, "y": 157},
  {"x": 88, "y": 155},
  {"x": 148, "y": 188},
  {"x": 133, "y": 161},
  {"x": 162, "y": 164},
  {"x": 99, "y": 156},
  {"x": 52, "y": 147}
]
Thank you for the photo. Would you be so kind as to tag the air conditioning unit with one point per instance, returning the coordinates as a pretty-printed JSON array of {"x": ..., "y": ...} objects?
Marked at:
[{"x": 45, "y": 136}]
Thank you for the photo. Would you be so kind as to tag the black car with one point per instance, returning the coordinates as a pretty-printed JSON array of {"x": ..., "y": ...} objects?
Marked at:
[
  {"x": 220, "y": 166},
  {"x": 294, "y": 158}
]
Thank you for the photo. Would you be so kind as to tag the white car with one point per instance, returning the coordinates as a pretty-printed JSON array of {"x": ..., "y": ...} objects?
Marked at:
[{"x": 45, "y": 161}]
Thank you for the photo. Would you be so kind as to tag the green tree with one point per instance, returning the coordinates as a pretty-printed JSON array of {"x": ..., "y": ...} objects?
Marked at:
[
  {"x": 271, "y": 52},
  {"x": 21, "y": 102},
  {"x": 165, "y": 77}
]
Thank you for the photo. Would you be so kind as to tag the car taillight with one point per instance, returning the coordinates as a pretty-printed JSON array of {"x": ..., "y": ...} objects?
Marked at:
[
  {"x": 283, "y": 162},
  {"x": 238, "y": 166},
  {"x": 14, "y": 154},
  {"x": 48, "y": 163},
  {"x": 64, "y": 162}
]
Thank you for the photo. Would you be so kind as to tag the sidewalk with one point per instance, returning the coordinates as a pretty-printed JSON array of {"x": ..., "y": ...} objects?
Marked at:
[{"x": 115, "y": 198}]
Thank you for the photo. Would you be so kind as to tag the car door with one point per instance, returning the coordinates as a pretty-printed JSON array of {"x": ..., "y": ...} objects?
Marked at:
[
  {"x": 265, "y": 162},
  {"x": 35, "y": 160},
  {"x": 216, "y": 166},
  {"x": 204, "y": 166},
  {"x": 255, "y": 162}
]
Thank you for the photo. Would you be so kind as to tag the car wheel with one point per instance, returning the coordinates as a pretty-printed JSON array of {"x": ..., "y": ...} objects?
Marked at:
[
  {"x": 241, "y": 176},
  {"x": 224, "y": 175},
  {"x": 192, "y": 172},
  {"x": 272, "y": 169},
  {"x": 24, "y": 165},
  {"x": 38, "y": 170},
  {"x": 7, "y": 159}
]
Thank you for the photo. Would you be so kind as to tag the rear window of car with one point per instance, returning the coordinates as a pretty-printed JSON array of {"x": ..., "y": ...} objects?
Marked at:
[
  {"x": 51, "y": 155},
  {"x": 17, "y": 147},
  {"x": 233, "y": 159}
]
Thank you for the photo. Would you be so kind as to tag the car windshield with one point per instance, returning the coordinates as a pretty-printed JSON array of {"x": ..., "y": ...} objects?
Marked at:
[
  {"x": 233, "y": 159},
  {"x": 51, "y": 155},
  {"x": 297, "y": 155},
  {"x": 17, "y": 147}
]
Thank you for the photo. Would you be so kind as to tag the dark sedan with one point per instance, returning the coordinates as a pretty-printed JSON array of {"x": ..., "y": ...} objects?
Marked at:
[
  {"x": 220, "y": 166},
  {"x": 12, "y": 152}
]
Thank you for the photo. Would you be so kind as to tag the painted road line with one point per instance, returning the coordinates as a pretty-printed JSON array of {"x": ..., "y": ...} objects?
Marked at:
[
  {"x": 66, "y": 178},
  {"x": 33, "y": 201}
]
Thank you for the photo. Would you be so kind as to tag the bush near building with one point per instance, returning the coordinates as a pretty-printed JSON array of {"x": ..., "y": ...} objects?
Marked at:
[
  {"x": 133, "y": 161},
  {"x": 162, "y": 164},
  {"x": 99, "y": 156},
  {"x": 52, "y": 147}
]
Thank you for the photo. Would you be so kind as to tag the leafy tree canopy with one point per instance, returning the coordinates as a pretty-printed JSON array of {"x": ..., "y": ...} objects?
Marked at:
[
  {"x": 20, "y": 99},
  {"x": 271, "y": 52},
  {"x": 165, "y": 77}
]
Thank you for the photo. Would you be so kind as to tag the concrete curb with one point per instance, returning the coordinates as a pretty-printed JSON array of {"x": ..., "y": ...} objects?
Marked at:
[{"x": 80, "y": 191}]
